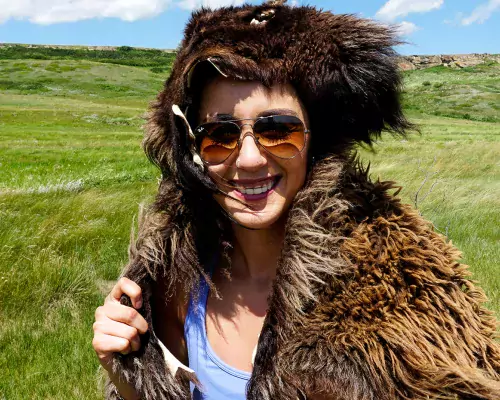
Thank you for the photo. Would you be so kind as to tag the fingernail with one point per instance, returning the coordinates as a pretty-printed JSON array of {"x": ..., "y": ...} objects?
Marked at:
[{"x": 138, "y": 304}]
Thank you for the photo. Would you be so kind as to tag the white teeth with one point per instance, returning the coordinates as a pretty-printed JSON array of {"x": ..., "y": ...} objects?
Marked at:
[{"x": 256, "y": 190}]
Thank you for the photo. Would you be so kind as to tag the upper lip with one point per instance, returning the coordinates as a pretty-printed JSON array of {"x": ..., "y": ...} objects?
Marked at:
[{"x": 254, "y": 182}]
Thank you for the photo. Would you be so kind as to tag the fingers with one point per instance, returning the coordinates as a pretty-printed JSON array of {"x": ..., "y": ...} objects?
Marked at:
[
  {"x": 117, "y": 327},
  {"x": 123, "y": 338},
  {"x": 120, "y": 313},
  {"x": 106, "y": 345},
  {"x": 130, "y": 288}
]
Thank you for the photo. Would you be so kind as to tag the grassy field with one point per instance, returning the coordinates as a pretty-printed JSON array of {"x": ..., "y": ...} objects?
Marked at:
[
  {"x": 73, "y": 175},
  {"x": 158, "y": 61}
]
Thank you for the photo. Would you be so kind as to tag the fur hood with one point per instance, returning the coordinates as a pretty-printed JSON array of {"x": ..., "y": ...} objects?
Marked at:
[
  {"x": 369, "y": 303},
  {"x": 343, "y": 69}
]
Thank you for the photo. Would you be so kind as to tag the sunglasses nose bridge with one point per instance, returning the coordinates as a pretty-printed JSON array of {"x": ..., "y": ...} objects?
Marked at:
[{"x": 243, "y": 135}]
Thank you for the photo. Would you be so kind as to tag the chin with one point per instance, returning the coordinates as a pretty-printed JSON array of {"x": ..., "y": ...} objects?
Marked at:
[{"x": 255, "y": 219}]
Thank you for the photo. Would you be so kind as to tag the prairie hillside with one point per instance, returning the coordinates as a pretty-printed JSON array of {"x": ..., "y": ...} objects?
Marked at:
[{"x": 73, "y": 176}]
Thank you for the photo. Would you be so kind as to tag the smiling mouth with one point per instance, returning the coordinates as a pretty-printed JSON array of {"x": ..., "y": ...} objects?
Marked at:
[{"x": 256, "y": 188}]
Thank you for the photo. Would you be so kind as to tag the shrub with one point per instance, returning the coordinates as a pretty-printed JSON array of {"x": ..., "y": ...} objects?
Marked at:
[
  {"x": 426, "y": 83},
  {"x": 21, "y": 66},
  {"x": 84, "y": 66},
  {"x": 8, "y": 84},
  {"x": 53, "y": 67},
  {"x": 66, "y": 68},
  {"x": 438, "y": 69},
  {"x": 489, "y": 62},
  {"x": 158, "y": 70}
]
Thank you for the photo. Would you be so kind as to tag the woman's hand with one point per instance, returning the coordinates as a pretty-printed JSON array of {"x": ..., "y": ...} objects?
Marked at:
[{"x": 117, "y": 327}]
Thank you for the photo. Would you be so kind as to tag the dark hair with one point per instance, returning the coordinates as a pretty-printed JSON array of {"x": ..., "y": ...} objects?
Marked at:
[{"x": 202, "y": 76}]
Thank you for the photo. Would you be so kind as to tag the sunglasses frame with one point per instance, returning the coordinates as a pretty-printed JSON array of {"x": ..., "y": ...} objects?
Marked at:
[{"x": 251, "y": 133}]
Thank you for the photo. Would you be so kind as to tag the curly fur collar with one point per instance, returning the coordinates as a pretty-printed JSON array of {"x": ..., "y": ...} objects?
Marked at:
[{"x": 368, "y": 303}]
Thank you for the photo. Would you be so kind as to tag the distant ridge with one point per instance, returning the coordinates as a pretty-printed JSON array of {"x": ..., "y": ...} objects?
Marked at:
[
  {"x": 81, "y": 47},
  {"x": 406, "y": 63}
]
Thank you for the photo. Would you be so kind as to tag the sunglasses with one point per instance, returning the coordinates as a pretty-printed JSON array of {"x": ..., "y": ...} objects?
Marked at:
[{"x": 283, "y": 136}]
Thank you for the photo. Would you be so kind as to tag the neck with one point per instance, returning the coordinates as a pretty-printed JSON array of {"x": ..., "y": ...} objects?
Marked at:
[{"x": 256, "y": 252}]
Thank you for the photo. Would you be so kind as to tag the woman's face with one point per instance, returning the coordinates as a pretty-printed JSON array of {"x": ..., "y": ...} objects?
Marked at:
[{"x": 251, "y": 166}]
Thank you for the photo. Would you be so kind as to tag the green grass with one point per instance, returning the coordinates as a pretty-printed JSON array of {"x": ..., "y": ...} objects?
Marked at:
[
  {"x": 157, "y": 60},
  {"x": 469, "y": 93},
  {"x": 72, "y": 178},
  {"x": 73, "y": 175}
]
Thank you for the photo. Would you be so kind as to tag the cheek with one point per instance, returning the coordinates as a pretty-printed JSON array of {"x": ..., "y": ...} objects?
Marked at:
[
  {"x": 296, "y": 176},
  {"x": 217, "y": 173}
]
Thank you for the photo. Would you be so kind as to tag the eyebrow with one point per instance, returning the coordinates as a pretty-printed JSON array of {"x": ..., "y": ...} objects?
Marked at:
[
  {"x": 267, "y": 113},
  {"x": 277, "y": 111}
]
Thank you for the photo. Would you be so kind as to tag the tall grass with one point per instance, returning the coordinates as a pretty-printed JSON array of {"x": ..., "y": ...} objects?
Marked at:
[{"x": 72, "y": 178}]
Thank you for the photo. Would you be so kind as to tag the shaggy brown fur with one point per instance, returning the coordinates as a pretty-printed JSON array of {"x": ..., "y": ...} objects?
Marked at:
[
  {"x": 369, "y": 303},
  {"x": 400, "y": 320}
]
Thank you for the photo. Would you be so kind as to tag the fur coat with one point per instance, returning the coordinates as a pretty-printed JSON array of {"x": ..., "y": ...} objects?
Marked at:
[{"x": 369, "y": 303}]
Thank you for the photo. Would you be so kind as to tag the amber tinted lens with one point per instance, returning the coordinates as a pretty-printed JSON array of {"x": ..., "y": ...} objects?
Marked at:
[
  {"x": 216, "y": 141},
  {"x": 281, "y": 135}
]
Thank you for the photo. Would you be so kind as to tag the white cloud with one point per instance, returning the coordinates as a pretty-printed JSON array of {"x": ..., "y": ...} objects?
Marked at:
[
  {"x": 47, "y": 12},
  {"x": 456, "y": 20},
  {"x": 401, "y": 8},
  {"x": 192, "y": 4},
  {"x": 482, "y": 13},
  {"x": 406, "y": 28},
  {"x": 52, "y": 11}
]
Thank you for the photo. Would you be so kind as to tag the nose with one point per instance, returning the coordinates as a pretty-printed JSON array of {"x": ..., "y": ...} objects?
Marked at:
[{"x": 250, "y": 157}]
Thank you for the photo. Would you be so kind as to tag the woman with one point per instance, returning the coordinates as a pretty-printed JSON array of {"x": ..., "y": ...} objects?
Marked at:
[{"x": 270, "y": 267}]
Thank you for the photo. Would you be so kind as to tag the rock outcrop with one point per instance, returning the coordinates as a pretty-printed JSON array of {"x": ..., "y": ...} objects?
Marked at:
[{"x": 408, "y": 63}]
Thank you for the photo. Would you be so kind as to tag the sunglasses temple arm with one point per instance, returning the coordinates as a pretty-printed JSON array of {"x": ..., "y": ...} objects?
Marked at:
[{"x": 196, "y": 157}]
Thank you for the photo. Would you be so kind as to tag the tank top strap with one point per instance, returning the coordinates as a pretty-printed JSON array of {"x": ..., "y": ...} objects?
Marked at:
[{"x": 219, "y": 380}]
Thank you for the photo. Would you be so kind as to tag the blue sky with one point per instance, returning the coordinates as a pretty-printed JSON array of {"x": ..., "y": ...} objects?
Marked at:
[{"x": 430, "y": 26}]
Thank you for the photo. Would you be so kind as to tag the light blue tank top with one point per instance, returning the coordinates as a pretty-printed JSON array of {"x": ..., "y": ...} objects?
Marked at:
[{"x": 219, "y": 380}]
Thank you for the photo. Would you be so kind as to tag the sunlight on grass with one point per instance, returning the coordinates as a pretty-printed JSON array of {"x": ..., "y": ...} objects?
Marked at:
[{"x": 73, "y": 177}]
